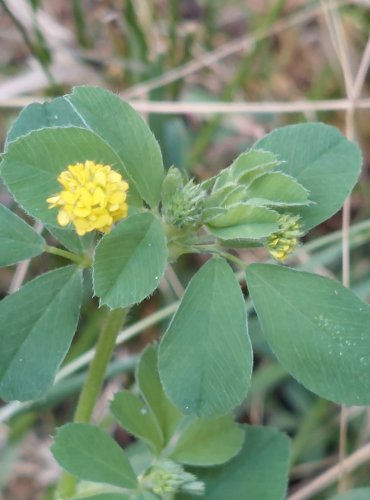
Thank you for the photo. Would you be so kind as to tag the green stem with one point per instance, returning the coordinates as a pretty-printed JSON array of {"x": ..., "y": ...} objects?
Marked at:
[
  {"x": 81, "y": 260},
  {"x": 214, "y": 249},
  {"x": 233, "y": 258},
  {"x": 93, "y": 383},
  {"x": 95, "y": 376}
]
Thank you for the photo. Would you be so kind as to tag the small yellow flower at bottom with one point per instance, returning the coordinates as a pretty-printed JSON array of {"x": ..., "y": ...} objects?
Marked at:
[
  {"x": 93, "y": 197},
  {"x": 281, "y": 243}
]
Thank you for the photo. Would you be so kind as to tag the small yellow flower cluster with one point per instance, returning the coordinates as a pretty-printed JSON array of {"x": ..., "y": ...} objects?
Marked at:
[
  {"x": 283, "y": 242},
  {"x": 94, "y": 197}
]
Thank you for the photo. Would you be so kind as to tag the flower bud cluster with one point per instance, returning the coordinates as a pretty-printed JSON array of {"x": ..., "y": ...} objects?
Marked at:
[
  {"x": 169, "y": 477},
  {"x": 281, "y": 243},
  {"x": 182, "y": 204}
]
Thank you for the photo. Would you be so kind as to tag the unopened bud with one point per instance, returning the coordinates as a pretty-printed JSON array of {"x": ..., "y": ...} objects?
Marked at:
[
  {"x": 182, "y": 205},
  {"x": 169, "y": 477}
]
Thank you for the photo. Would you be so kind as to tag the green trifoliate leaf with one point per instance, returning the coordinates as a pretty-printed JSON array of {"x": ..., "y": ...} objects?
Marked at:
[
  {"x": 37, "y": 326},
  {"x": 129, "y": 261},
  {"x": 242, "y": 221},
  {"x": 18, "y": 241},
  {"x": 114, "y": 121},
  {"x": 244, "y": 169},
  {"x": 210, "y": 332},
  {"x": 90, "y": 454},
  {"x": 276, "y": 189},
  {"x": 321, "y": 159},
  {"x": 32, "y": 164},
  {"x": 318, "y": 330}
]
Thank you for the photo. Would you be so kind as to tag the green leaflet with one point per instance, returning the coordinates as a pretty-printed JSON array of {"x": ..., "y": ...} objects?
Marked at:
[
  {"x": 32, "y": 164},
  {"x": 110, "y": 118},
  {"x": 70, "y": 239},
  {"x": 18, "y": 241},
  {"x": 167, "y": 415},
  {"x": 317, "y": 329},
  {"x": 260, "y": 469},
  {"x": 276, "y": 189},
  {"x": 208, "y": 442},
  {"x": 242, "y": 221},
  {"x": 90, "y": 454},
  {"x": 129, "y": 261},
  {"x": 209, "y": 329},
  {"x": 320, "y": 158},
  {"x": 38, "y": 323},
  {"x": 134, "y": 416}
]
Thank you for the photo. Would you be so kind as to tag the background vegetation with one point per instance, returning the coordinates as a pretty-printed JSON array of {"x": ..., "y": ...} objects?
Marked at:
[{"x": 212, "y": 77}]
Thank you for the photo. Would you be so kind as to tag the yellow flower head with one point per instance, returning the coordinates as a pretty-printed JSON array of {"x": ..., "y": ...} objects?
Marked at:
[
  {"x": 93, "y": 197},
  {"x": 283, "y": 242}
]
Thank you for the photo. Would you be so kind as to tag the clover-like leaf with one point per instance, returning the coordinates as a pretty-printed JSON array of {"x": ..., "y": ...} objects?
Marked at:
[
  {"x": 18, "y": 241},
  {"x": 205, "y": 356},
  {"x": 37, "y": 325},
  {"x": 129, "y": 261}
]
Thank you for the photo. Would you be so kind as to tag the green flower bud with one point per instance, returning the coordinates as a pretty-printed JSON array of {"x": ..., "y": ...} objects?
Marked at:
[
  {"x": 182, "y": 205},
  {"x": 169, "y": 477}
]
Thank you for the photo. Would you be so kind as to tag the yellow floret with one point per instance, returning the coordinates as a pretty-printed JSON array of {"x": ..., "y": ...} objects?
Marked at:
[
  {"x": 281, "y": 243},
  {"x": 93, "y": 197}
]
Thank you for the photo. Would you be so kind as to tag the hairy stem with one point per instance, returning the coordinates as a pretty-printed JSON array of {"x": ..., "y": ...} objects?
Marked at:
[{"x": 94, "y": 382}]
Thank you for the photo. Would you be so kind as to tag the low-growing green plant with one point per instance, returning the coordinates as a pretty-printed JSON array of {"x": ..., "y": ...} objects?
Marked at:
[{"x": 88, "y": 167}]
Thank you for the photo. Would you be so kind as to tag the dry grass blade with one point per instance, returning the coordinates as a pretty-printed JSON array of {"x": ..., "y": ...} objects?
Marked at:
[
  {"x": 331, "y": 475},
  {"x": 210, "y": 108},
  {"x": 362, "y": 71},
  {"x": 241, "y": 44}
]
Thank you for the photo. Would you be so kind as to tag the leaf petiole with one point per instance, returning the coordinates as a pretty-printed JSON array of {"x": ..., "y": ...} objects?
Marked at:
[{"x": 82, "y": 260}]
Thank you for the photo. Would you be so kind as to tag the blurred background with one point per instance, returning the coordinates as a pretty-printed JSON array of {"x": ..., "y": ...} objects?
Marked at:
[{"x": 211, "y": 77}]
